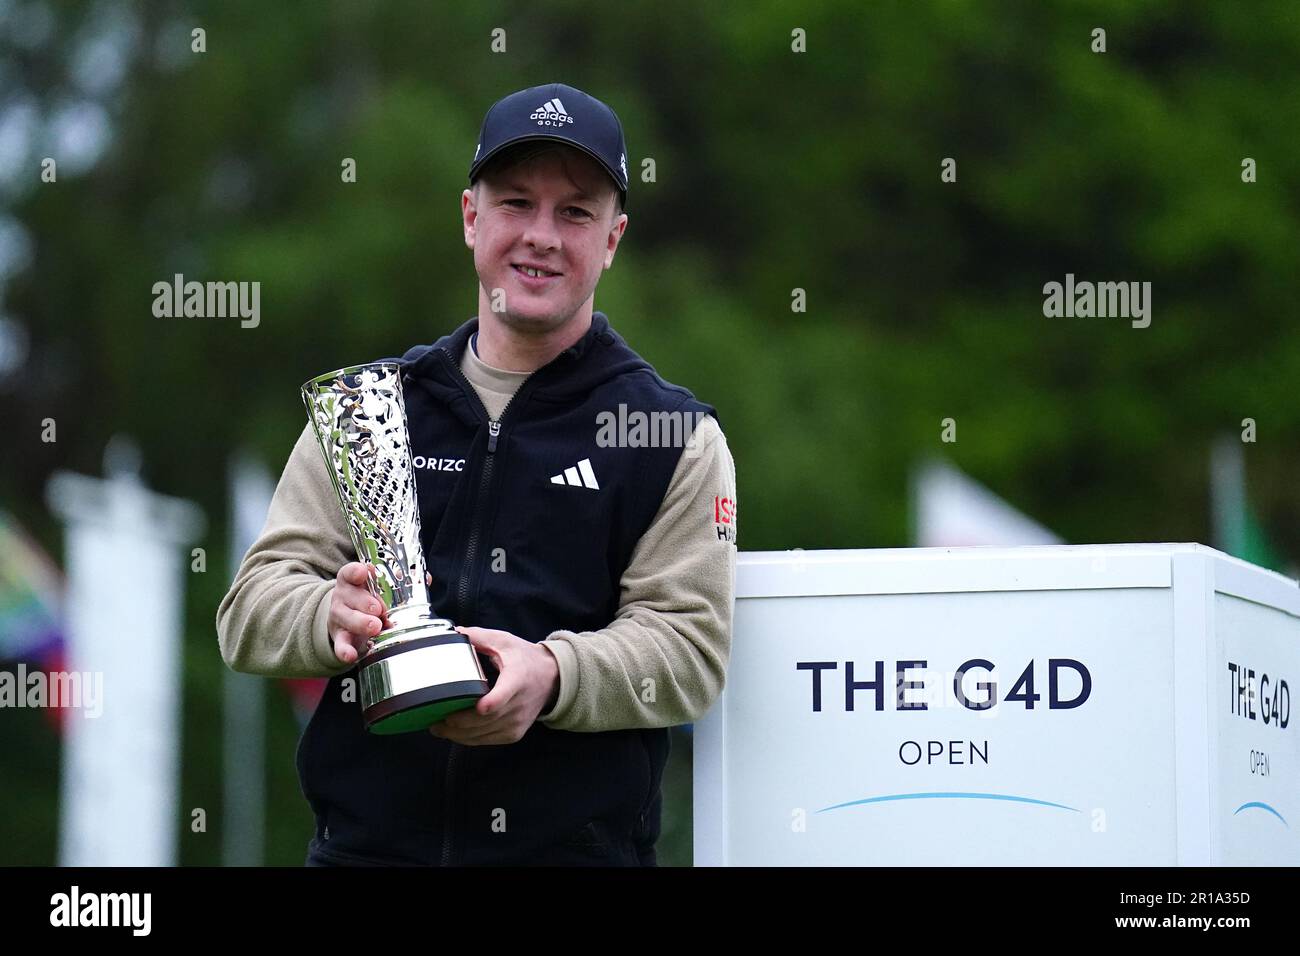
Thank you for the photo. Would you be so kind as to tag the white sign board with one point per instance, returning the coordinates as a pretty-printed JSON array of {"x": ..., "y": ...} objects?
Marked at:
[{"x": 1035, "y": 705}]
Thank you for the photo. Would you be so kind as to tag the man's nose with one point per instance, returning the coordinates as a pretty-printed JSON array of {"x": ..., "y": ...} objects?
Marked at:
[{"x": 541, "y": 233}]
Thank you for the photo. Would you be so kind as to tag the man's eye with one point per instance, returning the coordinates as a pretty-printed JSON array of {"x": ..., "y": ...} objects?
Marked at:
[{"x": 579, "y": 210}]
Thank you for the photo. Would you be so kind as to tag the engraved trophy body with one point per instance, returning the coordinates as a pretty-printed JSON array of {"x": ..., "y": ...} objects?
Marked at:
[{"x": 420, "y": 669}]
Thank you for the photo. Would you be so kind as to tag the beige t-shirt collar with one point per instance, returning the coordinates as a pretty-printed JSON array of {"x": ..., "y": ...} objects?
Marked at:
[{"x": 494, "y": 386}]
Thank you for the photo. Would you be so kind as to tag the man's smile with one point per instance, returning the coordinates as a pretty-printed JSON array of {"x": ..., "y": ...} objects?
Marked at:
[{"x": 534, "y": 277}]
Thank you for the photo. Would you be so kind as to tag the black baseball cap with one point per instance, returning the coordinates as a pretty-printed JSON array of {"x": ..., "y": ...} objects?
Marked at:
[{"x": 559, "y": 112}]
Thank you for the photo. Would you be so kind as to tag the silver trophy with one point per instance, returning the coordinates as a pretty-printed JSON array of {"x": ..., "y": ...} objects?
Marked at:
[{"x": 420, "y": 669}]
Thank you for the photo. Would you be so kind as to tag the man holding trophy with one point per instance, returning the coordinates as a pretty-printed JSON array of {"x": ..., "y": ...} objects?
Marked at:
[{"x": 511, "y": 608}]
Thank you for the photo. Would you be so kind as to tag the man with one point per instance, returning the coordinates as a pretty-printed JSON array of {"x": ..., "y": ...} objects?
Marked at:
[{"x": 594, "y": 576}]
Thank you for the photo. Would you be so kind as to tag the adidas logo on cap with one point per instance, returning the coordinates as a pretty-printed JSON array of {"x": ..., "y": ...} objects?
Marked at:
[{"x": 551, "y": 113}]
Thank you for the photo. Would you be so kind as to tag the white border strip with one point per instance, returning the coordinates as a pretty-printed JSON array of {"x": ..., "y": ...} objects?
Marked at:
[
  {"x": 1196, "y": 744},
  {"x": 1250, "y": 583},
  {"x": 949, "y": 570},
  {"x": 709, "y": 796}
]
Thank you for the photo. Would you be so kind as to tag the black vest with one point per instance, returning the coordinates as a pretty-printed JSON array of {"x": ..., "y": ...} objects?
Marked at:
[{"x": 556, "y": 797}]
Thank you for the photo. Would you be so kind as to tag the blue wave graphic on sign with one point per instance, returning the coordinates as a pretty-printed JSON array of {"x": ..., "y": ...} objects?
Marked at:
[
  {"x": 951, "y": 796},
  {"x": 1261, "y": 806}
]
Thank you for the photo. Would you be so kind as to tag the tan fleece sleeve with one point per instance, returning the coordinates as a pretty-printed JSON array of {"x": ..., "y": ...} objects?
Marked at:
[
  {"x": 273, "y": 619},
  {"x": 662, "y": 660}
]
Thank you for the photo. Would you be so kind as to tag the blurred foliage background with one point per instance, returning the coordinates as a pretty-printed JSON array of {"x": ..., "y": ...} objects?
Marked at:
[{"x": 775, "y": 170}]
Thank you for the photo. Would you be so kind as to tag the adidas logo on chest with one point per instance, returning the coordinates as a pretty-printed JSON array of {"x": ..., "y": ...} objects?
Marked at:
[{"x": 580, "y": 475}]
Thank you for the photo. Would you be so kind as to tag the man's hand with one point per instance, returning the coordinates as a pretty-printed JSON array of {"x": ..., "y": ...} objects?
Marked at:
[
  {"x": 529, "y": 677},
  {"x": 356, "y": 615}
]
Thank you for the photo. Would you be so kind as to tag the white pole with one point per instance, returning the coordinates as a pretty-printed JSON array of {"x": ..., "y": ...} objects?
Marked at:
[{"x": 125, "y": 574}]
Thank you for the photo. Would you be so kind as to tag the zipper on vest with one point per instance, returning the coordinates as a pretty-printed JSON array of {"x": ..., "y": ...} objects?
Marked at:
[
  {"x": 480, "y": 498},
  {"x": 471, "y": 554},
  {"x": 447, "y": 832},
  {"x": 467, "y": 571},
  {"x": 485, "y": 479}
]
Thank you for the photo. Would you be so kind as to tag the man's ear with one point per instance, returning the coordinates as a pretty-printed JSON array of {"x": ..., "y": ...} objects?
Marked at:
[
  {"x": 615, "y": 235},
  {"x": 469, "y": 215}
]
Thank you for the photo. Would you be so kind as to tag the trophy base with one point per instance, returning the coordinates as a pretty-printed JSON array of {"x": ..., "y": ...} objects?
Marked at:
[{"x": 408, "y": 685}]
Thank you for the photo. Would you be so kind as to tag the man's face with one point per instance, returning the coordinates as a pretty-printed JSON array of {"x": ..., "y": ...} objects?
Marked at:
[{"x": 557, "y": 213}]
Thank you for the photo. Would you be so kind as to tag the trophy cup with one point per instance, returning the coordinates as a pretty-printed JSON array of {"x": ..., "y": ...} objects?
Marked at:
[{"x": 420, "y": 669}]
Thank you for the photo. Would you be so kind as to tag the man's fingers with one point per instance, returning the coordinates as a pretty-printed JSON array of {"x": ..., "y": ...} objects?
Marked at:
[
  {"x": 495, "y": 701},
  {"x": 360, "y": 600},
  {"x": 355, "y": 579},
  {"x": 356, "y": 616},
  {"x": 367, "y": 625},
  {"x": 470, "y": 720},
  {"x": 355, "y": 573},
  {"x": 470, "y": 737},
  {"x": 487, "y": 642},
  {"x": 344, "y": 648},
  {"x": 474, "y": 721}
]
